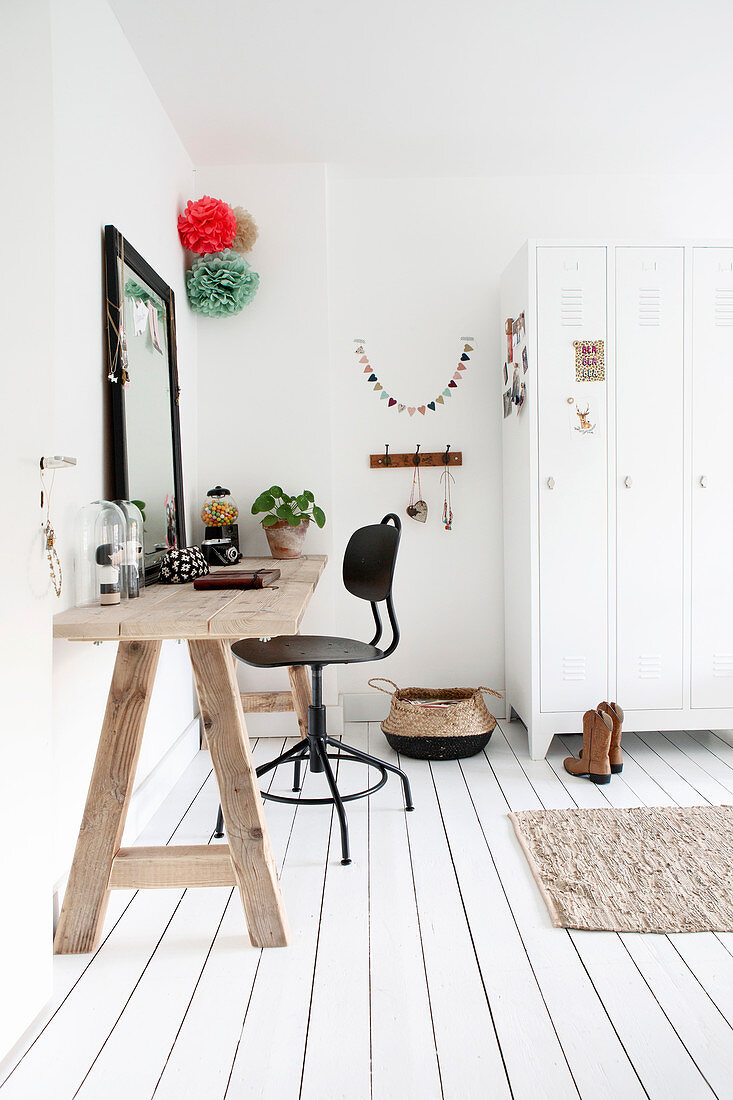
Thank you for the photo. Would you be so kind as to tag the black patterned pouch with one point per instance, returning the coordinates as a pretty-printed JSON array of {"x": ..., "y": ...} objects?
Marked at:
[{"x": 180, "y": 566}]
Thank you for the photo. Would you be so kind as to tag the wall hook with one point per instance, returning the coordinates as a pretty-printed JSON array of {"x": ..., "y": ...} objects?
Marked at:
[
  {"x": 446, "y": 456},
  {"x": 387, "y": 459},
  {"x": 416, "y": 457}
]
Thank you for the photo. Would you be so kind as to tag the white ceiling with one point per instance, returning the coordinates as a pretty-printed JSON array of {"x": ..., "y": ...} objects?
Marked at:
[{"x": 444, "y": 86}]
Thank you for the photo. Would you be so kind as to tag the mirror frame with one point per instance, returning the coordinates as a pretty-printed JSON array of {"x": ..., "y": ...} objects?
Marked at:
[{"x": 113, "y": 252}]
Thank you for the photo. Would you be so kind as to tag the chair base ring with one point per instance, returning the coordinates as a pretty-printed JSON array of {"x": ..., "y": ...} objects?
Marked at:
[{"x": 329, "y": 801}]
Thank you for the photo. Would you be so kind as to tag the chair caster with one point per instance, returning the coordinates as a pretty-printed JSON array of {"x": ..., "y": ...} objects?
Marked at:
[
  {"x": 409, "y": 809},
  {"x": 345, "y": 862},
  {"x": 218, "y": 835}
]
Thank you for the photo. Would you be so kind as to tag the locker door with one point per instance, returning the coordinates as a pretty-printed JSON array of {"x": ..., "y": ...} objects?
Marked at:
[
  {"x": 712, "y": 478},
  {"x": 649, "y": 473},
  {"x": 571, "y": 292}
]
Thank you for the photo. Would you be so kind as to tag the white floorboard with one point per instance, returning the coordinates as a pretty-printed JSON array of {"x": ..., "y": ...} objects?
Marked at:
[
  {"x": 427, "y": 969},
  {"x": 404, "y": 1055}
]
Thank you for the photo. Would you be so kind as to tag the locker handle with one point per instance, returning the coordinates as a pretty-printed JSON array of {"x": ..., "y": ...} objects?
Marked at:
[
  {"x": 550, "y": 483},
  {"x": 628, "y": 482},
  {"x": 703, "y": 482}
]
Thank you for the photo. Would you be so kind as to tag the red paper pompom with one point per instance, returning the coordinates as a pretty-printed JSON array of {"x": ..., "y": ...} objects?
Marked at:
[{"x": 207, "y": 225}]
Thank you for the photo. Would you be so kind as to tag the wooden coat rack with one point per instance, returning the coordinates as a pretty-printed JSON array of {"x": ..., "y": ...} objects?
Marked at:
[{"x": 431, "y": 458}]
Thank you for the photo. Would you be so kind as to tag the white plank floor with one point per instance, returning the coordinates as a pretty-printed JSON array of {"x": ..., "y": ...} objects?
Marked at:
[{"x": 427, "y": 969}]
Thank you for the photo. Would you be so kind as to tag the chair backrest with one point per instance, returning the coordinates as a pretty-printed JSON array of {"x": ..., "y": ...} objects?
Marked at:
[{"x": 369, "y": 560}]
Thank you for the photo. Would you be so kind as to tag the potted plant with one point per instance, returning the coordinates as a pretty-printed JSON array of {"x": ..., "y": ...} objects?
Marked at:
[{"x": 287, "y": 519}]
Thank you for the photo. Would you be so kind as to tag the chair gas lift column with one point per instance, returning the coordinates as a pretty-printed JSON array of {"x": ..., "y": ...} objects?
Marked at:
[{"x": 368, "y": 571}]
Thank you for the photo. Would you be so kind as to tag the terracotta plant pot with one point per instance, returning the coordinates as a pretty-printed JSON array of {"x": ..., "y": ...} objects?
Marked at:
[{"x": 286, "y": 541}]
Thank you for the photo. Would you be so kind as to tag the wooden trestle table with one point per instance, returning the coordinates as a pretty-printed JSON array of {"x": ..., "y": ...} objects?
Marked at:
[{"x": 209, "y": 621}]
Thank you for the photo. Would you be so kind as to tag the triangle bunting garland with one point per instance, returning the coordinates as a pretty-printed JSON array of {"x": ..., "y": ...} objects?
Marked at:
[{"x": 392, "y": 402}]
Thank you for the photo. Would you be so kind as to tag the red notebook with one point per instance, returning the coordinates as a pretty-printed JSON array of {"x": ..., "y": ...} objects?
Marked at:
[{"x": 238, "y": 578}]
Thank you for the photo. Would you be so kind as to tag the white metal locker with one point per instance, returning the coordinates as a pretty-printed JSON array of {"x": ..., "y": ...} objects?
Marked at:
[
  {"x": 573, "y": 482},
  {"x": 649, "y": 476},
  {"x": 712, "y": 478}
]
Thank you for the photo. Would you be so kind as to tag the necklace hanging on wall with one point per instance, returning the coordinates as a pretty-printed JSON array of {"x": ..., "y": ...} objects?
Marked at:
[
  {"x": 49, "y": 535},
  {"x": 447, "y": 477},
  {"x": 468, "y": 345},
  {"x": 118, "y": 362},
  {"x": 417, "y": 509}
]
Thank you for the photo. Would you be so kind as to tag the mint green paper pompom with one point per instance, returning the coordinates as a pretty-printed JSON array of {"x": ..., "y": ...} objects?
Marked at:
[{"x": 221, "y": 283}]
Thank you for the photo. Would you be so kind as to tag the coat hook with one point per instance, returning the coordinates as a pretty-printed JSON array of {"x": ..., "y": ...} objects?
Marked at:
[
  {"x": 387, "y": 459},
  {"x": 416, "y": 457},
  {"x": 446, "y": 456}
]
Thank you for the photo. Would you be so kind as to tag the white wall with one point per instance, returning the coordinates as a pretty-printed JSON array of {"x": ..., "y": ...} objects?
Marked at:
[
  {"x": 413, "y": 265},
  {"x": 117, "y": 160},
  {"x": 26, "y": 325},
  {"x": 264, "y": 390}
]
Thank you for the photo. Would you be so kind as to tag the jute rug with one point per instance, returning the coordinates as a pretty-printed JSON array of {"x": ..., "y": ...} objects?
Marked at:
[{"x": 655, "y": 869}]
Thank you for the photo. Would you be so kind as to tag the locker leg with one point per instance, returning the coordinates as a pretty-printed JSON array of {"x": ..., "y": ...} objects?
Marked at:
[{"x": 539, "y": 744}]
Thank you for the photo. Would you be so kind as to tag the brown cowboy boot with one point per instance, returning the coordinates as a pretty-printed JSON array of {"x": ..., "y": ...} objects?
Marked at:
[
  {"x": 615, "y": 756},
  {"x": 593, "y": 760},
  {"x": 613, "y": 710}
]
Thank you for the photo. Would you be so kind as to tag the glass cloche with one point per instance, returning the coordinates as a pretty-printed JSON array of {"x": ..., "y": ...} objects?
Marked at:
[
  {"x": 100, "y": 555},
  {"x": 133, "y": 565}
]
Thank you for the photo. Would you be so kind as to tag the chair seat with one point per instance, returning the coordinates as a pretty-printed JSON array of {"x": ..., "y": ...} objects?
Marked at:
[{"x": 304, "y": 649}]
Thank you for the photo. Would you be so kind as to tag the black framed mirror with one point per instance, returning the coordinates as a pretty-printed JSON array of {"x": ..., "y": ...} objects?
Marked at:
[{"x": 142, "y": 369}]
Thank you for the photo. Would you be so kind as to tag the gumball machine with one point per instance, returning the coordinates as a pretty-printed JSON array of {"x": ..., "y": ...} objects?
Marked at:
[{"x": 219, "y": 513}]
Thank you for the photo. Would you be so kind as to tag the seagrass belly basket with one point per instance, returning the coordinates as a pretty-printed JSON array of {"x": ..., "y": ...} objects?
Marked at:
[{"x": 437, "y": 723}]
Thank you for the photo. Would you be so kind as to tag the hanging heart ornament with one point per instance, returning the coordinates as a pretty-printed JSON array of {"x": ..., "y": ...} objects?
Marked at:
[{"x": 418, "y": 511}]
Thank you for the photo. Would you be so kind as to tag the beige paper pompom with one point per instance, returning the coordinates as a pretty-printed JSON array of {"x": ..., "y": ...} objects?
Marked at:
[{"x": 247, "y": 231}]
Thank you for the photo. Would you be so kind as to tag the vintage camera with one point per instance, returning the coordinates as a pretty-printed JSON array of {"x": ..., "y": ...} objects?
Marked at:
[{"x": 220, "y": 552}]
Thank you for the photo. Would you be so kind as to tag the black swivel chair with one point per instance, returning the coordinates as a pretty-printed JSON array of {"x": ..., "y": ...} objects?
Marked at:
[{"x": 369, "y": 564}]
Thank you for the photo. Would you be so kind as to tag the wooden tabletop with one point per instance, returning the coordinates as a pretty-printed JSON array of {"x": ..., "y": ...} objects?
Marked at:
[{"x": 179, "y": 611}]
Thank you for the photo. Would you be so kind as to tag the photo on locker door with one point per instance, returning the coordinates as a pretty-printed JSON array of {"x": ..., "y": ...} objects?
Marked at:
[
  {"x": 522, "y": 397},
  {"x": 582, "y": 415},
  {"x": 516, "y": 385},
  {"x": 590, "y": 361},
  {"x": 507, "y": 399}
]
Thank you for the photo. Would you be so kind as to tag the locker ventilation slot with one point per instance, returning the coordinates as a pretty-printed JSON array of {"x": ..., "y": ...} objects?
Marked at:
[
  {"x": 649, "y": 666},
  {"x": 573, "y": 668},
  {"x": 650, "y": 307},
  {"x": 722, "y": 664},
  {"x": 571, "y": 307},
  {"x": 723, "y": 308}
]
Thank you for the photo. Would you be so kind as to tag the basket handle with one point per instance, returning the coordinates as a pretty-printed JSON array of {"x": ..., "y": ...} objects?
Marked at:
[
  {"x": 373, "y": 684},
  {"x": 490, "y": 691}
]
